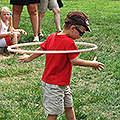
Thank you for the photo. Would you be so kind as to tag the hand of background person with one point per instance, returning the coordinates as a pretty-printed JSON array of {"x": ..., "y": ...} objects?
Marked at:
[
  {"x": 23, "y": 32},
  {"x": 24, "y": 58},
  {"x": 20, "y": 30},
  {"x": 10, "y": 34}
]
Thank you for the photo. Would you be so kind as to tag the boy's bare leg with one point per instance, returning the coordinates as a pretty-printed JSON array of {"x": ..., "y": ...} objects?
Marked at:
[
  {"x": 52, "y": 117},
  {"x": 69, "y": 113}
]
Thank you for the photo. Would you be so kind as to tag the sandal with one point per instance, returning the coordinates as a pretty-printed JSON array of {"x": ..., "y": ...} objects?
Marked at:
[
  {"x": 40, "y": 34},
  {"x": 36, "y": 39}
]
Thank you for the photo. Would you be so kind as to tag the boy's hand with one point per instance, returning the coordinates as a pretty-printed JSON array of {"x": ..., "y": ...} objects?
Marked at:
[
  {"x": 97, "y": 65},
  {"x": 24, "y": 58}
]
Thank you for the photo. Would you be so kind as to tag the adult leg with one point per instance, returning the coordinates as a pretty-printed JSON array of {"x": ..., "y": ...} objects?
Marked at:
[
  {"x": 52, "y": 117},
  {"x": 41, "y": 15},
  {"x": 32, "y": 10},
  {"x": 57, "y": 18},
  {"x": 17, "y": 9},
  {"x": 69, "y": 113}
]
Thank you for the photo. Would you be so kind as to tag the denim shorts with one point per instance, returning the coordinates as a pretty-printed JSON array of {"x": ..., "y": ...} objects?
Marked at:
[{"x": 56, "y": 98}]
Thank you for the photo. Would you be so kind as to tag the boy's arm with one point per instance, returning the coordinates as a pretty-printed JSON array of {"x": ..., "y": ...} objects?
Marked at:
[
  {"x": 28, "y": 58},
  {"x": 79, "y": 62}
]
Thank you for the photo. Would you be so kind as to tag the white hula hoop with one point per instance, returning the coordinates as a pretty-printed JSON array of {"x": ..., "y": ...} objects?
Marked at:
[{"x": 59, "y": 51}]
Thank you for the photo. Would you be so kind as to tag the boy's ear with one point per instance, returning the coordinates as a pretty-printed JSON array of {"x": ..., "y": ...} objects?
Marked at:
[{"x": 72, "y": 28}]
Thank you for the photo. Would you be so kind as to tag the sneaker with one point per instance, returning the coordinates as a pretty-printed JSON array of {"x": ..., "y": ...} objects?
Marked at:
[{"x": 36, "y": 39}]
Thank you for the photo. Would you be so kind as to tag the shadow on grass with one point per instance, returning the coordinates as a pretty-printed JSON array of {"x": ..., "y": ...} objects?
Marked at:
[{"x": 30, "y": 38}]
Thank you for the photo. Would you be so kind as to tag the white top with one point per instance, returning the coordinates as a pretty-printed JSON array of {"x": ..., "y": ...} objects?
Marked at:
[{"x": 3, "y": 30}]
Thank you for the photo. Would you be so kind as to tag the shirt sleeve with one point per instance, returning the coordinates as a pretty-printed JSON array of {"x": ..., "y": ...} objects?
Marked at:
[
  {"x": 73, "y": 55},
  {"x": 43, "y": 45},
  {"x": 46, "y": 43}
]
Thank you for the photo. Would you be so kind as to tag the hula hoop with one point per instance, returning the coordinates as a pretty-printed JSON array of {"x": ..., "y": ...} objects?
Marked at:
[{"x": 58, "y": 51}]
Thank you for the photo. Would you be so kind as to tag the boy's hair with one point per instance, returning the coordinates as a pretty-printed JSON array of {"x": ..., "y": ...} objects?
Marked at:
[
  {"x": 77, "y": 18},
  {"x": 10, "y": 20},
  {"x": 67, "y": 26}
]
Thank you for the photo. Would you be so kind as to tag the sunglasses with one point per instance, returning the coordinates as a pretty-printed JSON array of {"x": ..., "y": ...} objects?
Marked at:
[{"x": 80, "y": 32}]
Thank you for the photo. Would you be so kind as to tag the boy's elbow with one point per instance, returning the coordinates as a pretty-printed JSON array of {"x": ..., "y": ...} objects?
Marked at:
[{"x": 73, "y": 62}]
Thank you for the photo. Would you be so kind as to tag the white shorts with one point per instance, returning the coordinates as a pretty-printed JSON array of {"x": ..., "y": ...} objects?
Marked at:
[
  {"x": 56, "y": 98},
  {"x": 3, "y": 42}
]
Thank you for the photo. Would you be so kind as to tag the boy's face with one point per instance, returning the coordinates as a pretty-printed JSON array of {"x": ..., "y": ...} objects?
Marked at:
[
  {"x": 77, "y": 31},
  {"x": 5, "y": 15}
]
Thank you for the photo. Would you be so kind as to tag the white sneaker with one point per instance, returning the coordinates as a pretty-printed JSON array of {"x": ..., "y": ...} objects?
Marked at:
[{"x": 36, "y": 39}]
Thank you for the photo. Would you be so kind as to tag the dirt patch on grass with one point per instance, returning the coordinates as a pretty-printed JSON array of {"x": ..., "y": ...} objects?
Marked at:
[{"x": 7, "y": 56}]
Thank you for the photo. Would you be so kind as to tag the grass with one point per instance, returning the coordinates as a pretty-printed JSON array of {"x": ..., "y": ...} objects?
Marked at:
[{"x": 96, "y": 95}]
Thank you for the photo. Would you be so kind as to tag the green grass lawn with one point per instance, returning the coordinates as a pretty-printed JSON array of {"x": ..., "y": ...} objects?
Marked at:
[{"x": 96, "y": 95}]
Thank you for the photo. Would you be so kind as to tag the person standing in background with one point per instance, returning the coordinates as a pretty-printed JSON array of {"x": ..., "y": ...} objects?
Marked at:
[
  {"x": 32, "y": 10},
  {"x": 42, "y": 8}
]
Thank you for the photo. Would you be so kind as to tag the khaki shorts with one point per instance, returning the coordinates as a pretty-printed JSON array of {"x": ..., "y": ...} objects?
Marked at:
[
  {"x": 55, "y": 98},
  {"x": 44, "y": 4}
]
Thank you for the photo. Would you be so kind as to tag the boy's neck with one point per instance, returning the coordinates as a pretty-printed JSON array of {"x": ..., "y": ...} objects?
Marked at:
[{"x": 64, "y": 33}]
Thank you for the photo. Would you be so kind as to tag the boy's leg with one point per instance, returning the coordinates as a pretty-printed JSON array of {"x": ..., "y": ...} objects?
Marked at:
[
  {"x": 69, "y": 113},
  {"x": 52, "y": 117}
]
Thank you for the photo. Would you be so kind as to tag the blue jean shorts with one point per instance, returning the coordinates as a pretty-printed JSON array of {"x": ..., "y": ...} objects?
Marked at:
[{"x": 56, "y": 98}]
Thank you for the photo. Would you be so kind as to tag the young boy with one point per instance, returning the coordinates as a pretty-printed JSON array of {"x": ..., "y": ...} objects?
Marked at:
[{"x": 56, "y": 77}]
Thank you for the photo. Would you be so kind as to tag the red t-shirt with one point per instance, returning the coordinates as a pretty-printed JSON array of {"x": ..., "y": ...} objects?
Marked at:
[{"x": 58, "y": 66}]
